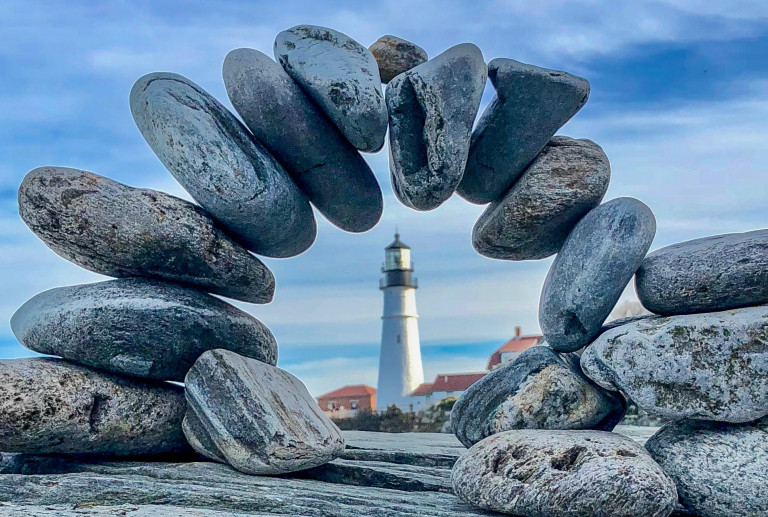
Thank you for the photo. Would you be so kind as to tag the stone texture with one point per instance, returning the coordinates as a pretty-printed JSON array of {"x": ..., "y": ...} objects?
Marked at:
[
  {"x": 395, "y": 55},
  {"x": 222, "y": 166},
  {"x": 323, "y": 164},
  {"x": 531, "y": 220},
  {"x": 255, "y": 417},
  {"x": 563, "y": 473},
  {"x": 541, "y": 389},
  {"x": 138, "y": 327},
  {"x": 711, "y": 366},
  {"x": 703, "y": 275},
  {"x": 418, "y": 449},
  {"x": 431, "y": 111},
  {"x": 48, "y": 405},
  {"x": 531, "y": 104},
  {"x": 719, "y": 469},
  {"x": 383, "y": 475},
  {"x": 595, "y": 263},
  {"x": 341, "y": 76}
]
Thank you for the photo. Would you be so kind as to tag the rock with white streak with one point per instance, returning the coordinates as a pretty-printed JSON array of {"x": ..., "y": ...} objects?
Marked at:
[{"x": 395, "y": 55}]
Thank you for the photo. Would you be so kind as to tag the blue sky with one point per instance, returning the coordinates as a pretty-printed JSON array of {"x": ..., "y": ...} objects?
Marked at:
[{"x": 679, "y": 103}]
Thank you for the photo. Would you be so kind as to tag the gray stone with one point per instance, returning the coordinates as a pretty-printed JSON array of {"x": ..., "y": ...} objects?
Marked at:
[
  {"x": 541, "y": 389},
  {"x": 531, "y": 104},
  {"x": 341, "y": 76},
  {"x": 48, "y": 405},
  {"x": 431, "y": 111},
  {"x": 222, "y": 166},
  {"x": 139, "y": 327},
  {"x": 323, "y": 164},
  {"x": 711, "y": 366},
  {"x": 255, "y": 417},
  {"x": 121, "y": 231},
  {"x": 531, "y": 220},
  {"x": 703, "y": 275},
  {"x": 563, "y": 474},
  {"x": 419, "y": 449},
  {"x": 383, "y": 475},
  {"x": 595, "y": 263},
  {"x": 719, "y": 469},
  {"x": 395, "y": 55}
]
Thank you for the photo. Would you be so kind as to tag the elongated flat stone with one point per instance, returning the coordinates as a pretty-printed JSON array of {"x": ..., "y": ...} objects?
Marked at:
[
  {"x": 395, "y": 55},
  {"x": 323, "y": 164},
  {"x": 531, "y": 104},
  {"x": 431, "y": 111},
  {"x": 214, "y": 157}
]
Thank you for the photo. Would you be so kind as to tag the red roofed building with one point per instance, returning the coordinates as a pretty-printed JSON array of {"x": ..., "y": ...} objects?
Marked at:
[
  {"x": 444, "y": 385},
  {"x": 347, "y": 401},
  {"x": 512, "y": 348}
]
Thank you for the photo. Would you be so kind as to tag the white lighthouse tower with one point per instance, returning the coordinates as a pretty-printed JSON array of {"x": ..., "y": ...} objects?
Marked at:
[{"x": 400, "y": 370}]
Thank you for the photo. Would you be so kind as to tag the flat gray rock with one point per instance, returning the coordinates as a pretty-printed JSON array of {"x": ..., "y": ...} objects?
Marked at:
[
  {"x": 395, "y": 55},
  {"x": 138, "y": 327},
  {"x": 719, "y": 469},
  {"x": 323, "y": 164},
  {"x": 711, "y": 366},
  {"x": 255, "y": 417},
  {"x": 383, "y": 474},
  {"x": 541, "y": 389},
  {"x": 214, "y": 157},
  {"x": 594, "y": 265},
  {"x": 431, "y": 111},
  {"x": 48, "y": 405},
  {"x": 341, "y": 76},
  {"x": 703, "y": 275},
  {"x": 567, "y": 179},
  {"x": 418, "y": 449},
  {"x": 531, "y": 104}
]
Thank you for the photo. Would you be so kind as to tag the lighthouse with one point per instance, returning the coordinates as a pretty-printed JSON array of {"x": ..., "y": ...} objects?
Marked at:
[{"x": 400, "y": 370}]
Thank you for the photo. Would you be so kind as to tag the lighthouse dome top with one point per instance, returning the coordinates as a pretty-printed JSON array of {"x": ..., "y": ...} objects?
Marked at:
[{"x": 398, "y": 244}]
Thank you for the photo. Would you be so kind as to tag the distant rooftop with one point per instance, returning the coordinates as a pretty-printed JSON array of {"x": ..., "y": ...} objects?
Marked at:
[
  {"x": 355, "y": 390},
  {"x": 516, "y": 344},
  {"x": 397, "y": 244},
  {"x": 448, "y": 382}
]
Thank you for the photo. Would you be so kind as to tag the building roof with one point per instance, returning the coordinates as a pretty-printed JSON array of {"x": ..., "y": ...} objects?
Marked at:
[
  {"x": 448, "y": 382},
  {"x": 516, "y": 344},
  {"x": 356, "y": 390},
  {"x": 397, "y": 244}
]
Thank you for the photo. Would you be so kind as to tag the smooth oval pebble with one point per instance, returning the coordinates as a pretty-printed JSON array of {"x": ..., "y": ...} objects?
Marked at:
[
  {"x": 52, "y": 406},
  {"x": 703, "y": 275},
  {"x": 323, "y": 164},
  {"x": 531, "y": 221},
  {"x": 138, "y": 327},
  {"x": 534, "y": 473},
  {"x": 395, "y": 55},
  {"x": 214, "y": 157},
  {"x": 595, "y": 263},
  {"x": 121, "y": 231}
]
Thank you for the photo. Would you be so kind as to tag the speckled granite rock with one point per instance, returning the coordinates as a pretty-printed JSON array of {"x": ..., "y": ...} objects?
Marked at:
[
  {"x": 566, "y": 180},
  {"x": 326, "y": 167},
  {"x": 595, "y": 263},
  {"x": 341, "y": 76},
  {"x": 711, "y": 366},
  {"x": 563, "y": 474},
  {"x": 138, "y": 327},
  {"x": 531, "y": 104},
  {"x": 431, "y": 111},
  {"x": 703, "y": 275},
  {"x": 222, "y": 166},
  {"x": 48, "y": 405},
  {"x": 395, "y": 55}
]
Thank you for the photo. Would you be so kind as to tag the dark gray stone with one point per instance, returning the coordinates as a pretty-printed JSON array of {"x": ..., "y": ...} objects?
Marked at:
[
  {"x": 395, "y": 55},
  {"x": 121, "y": 231},
  {"x": 138, "y": 327},
  {"x": 419, "y": 449},
  {"x": 431, "y": 111},
  {"x": 323, "y": 164},
  {"x": 222, "y": 166},
  {"x": 341, "y": 76},
  {"x": 566, "y": 180},
  {"x": 383, "y": 475},
  {"x": 541, "y": 389},
  {"x": 703, "y": 275},
  {"x": 595, "y": 263},
  {"x": 531, "y": 104}
]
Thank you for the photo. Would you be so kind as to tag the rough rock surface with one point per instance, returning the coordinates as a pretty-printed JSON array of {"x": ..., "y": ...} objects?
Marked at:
[
  {"x": 703, "y": 275},
  {"x": 326, "y": 167},
  {"x": 139, "y": 327},
  {"x": 541, "y": 389},
  {"x": 431, "y": 111},
  {"x": 341, "y": 76},
  {"x": 595, "y": 263},
  {"x": 395, "y": 55},
  {"x": 121, "y": 231},
  {"x": 50, "y": 405},
  {"x": 566, "y": 180},
  {"x": 222, "y": 166},
  {"x": 711, "y": 366},
  {"x": 531, "y": 104},
  {"x": 563, "y": 474}
]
